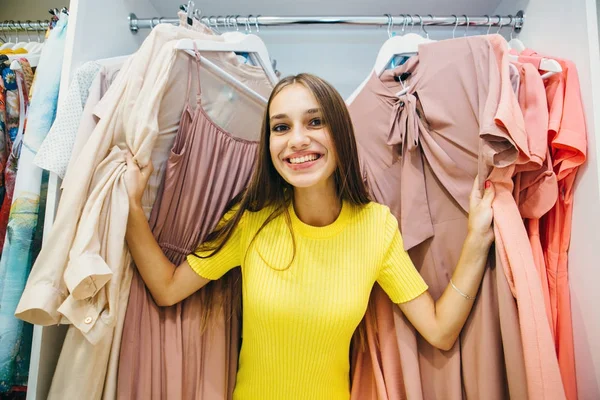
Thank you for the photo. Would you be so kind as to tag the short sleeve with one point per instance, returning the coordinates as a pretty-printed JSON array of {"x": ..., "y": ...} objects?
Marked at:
[
  {"x": 398, "y": 276},
  {"x": 225, "y": 259}
]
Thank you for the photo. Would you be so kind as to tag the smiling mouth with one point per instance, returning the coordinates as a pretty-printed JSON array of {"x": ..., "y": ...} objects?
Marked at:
[{"x": 303, "y": 159}]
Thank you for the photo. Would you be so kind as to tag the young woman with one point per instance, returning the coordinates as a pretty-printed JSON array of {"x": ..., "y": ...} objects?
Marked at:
[{"x": 311, "y": 245}]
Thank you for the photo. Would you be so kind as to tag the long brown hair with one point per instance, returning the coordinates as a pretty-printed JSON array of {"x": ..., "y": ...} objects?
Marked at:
[{"x": 268, "y": 189}]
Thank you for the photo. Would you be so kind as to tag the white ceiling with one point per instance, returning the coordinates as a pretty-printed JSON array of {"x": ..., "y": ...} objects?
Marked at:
[{"x": 168, "y": 8}]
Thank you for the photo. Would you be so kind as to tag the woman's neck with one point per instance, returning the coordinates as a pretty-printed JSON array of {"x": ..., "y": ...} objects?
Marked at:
[{"x": 317, "y": 206}]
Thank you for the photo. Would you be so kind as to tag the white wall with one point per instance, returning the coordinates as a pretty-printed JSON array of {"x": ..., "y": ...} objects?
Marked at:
[
  {"x": 569, "y": 29},
  {"x": 342, "y": 56}
]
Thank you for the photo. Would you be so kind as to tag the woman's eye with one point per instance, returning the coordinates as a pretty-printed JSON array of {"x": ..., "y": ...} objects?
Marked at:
[
  {"x": 279, "y": 128},
  {"x": 316, "y": 122}
]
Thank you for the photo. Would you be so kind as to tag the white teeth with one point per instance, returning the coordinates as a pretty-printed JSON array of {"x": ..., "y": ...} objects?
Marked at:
[{"x": 303, "y": 159}]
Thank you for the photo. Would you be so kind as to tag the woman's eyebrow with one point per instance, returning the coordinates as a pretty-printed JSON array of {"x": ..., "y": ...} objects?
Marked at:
[{"x": 278, "y": 116}]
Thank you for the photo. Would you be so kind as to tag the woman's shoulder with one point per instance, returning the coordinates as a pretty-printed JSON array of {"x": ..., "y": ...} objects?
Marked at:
[{"x": 374, "y": 211}]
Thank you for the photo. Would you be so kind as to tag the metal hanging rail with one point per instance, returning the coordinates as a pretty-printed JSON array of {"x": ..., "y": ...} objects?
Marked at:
[
  {"x": 33, "y": 26},
  {"x": 253, "y": 22},
  {"x": 30, "y": 26}
]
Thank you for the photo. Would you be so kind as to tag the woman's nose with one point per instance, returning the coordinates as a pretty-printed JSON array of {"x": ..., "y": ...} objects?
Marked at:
[{"x": 299, "y": 139}]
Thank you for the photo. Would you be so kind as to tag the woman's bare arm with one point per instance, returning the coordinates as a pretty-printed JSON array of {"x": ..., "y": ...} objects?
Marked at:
[{"x": 168, "y": 284}]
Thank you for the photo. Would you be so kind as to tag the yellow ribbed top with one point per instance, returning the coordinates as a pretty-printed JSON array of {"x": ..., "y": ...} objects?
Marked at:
[{"x": 298, "y": 321}]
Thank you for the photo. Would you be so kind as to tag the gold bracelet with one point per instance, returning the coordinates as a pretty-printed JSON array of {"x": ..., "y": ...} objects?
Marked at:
[{"x": 466, "y": 296}]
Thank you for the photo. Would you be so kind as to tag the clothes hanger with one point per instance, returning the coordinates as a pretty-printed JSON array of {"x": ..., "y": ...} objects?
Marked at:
[
  {"x": 427, "y": 40},
  {"x": 19, "y": 45},
  {"x": 398, "y": 45},
  {"x": 8, "y": 44},
  {"x": 515, "y": 43},
  {"x": 549, "y": 66},
  {"x": 251, "y": 44},
  {"x": 31, "y": 47},
  {"x": 405, "y": 44},
  {"x": 207, "y": 45}
]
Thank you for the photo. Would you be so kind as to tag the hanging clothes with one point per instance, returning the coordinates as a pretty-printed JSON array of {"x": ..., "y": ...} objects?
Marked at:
[
  {"x": 14, "y": 371},
  {"x": 25, "y": 224},
  {"x": 432, "y": 209},
  {"x": 4, "y": 140},
  {"x": 164, "y": 352},
  {"x": 71, "y": 282},
  {"x": 535, "y": 184},
  {"x": 567, "y": 139},
  {"x": 91, "y": 114},
  {"x": 386, "y": 158},
  {"x": 55, "y": 151},
  {"x": 16, "y": 111}
]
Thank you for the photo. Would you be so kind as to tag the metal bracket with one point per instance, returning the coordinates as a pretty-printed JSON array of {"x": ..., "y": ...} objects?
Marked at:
[
  {"x": 519, "y": 21},
  {"x": 133, "y": 23}
]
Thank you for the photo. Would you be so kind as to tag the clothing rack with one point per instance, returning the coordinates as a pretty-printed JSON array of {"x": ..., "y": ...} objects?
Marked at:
[
  {"x": 30, "y": 26},
  {"x": 403, "y": 20},
  {"x": 12, "y": 26}
]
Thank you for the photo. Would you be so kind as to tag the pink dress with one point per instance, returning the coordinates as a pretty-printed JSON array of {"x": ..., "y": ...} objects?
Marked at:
[{"x": 170, "y": 352}]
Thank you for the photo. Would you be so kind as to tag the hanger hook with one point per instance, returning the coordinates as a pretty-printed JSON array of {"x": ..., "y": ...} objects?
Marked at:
[
  {"x": 389, "y": 25},
  {"x": 423, "y": 25},
  {"x": 226, "y": 22},
  {"x": 412, "y": 23},
  {"x": 11, "y": 27},
  {"x": 421, "y": 22},
  {"x": 248, "y": 23},
  {"x": 38, "y": 30},
  {"x": 500, "y": 24},
  {"x": 403, "y": 23},
  {"x": 427, "y": 32},
  {"x": 455, "y": 26},
  {"x": 27, "y": 32},
  {"x": 489, "y": 24},
  {"x": 512, "y": 31},
  {"x": 466, "y": 25},
  {"x": 5, "y": 30},
  {"x": 216, "y": 24},
  {"x": 256, "y": 23}
]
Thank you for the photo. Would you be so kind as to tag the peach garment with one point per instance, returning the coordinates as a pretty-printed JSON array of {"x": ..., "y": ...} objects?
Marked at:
[
  {"x": 568, "y": 145},
  {"x": 543, "y": 375},
  {"x": 536, "y": 188}
]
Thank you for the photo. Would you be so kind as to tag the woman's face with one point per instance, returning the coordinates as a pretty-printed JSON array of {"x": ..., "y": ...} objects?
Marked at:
[{"x": 300, "y": 143}]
